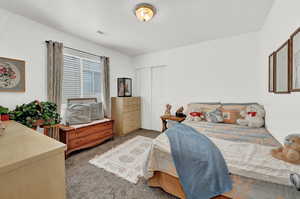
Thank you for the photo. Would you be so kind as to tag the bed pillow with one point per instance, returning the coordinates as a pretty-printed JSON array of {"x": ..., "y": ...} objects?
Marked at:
[
  {"x": 236, "y": 106},
  {"x": 195, "y": 115},
  {"x": 231, "y": 116},
  {"x": 78, "y": 114},
  {"x": 204, "y": 107},
  {"x": 215, "y": 116}
]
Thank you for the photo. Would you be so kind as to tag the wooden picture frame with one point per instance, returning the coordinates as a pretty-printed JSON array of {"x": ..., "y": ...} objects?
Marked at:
[
  {"x": 124, "y": 87},
  {"x": 12, "y": 75},
  {"x": 295, "y": 61},
  {"x": 282, "y": 69},
  {"x": 272, "y": 62}
]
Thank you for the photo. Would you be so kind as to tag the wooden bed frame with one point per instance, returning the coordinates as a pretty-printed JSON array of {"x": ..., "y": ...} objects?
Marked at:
[{"x": 171, "y": 185}]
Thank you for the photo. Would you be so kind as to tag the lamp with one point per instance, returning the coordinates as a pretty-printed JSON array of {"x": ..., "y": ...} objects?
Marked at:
[{"x": 144, "y": 12}]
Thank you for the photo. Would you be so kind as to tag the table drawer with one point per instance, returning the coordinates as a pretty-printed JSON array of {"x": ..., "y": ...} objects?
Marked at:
[
  {"x": 90, "y": 138},
  {"x": 85, "y": 131}
]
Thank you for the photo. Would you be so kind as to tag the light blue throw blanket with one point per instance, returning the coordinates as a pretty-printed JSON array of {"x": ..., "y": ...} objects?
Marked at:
[{"x": 200, "y": 165}]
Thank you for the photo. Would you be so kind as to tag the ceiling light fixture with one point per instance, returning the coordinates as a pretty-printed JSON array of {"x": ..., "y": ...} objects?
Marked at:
[{"x": 144, "y": 12}]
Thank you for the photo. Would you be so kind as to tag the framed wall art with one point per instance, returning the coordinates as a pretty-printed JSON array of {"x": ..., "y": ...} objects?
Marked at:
[
  {"x": 124, "y": 87},
  {"x": 272, "y": 62},
  {"x": 12, "y": 75},
  {"x": 282, "y": 69},
  {"x": 295, "y": 61}
]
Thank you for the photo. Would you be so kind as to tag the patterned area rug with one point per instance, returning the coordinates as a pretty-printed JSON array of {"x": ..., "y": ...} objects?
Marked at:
[{"x": 126, "y": 160}]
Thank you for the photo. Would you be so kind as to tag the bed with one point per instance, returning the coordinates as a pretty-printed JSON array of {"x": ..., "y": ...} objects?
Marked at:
[{"x": 255, "y": 173}]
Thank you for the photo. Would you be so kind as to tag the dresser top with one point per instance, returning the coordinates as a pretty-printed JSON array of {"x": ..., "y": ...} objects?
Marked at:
[{"x": 20, "y": 145}]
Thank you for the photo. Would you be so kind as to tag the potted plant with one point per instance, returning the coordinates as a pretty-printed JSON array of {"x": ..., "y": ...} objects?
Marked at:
[
  {"x": 4, "y": 113},
  {"x": 36, "y": 114},
  {"x": 49, "y": 113}
]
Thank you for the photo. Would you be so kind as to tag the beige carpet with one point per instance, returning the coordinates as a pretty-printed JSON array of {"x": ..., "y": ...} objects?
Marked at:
[
  {"x": 126, "y": 160},
  {"x": 85, "y": 181}
]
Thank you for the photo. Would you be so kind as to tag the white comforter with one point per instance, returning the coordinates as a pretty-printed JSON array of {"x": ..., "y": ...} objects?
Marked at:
[{"x": 243, "y": 159}]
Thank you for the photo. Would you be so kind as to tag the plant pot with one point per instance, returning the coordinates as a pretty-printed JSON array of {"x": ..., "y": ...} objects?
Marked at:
[
  {"x": 4, "y": 117},
  {"x": 38, "y": 123},
  {"x": 34, "y": 128}
]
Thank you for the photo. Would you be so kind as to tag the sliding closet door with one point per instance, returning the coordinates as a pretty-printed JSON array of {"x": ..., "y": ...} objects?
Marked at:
[
  {"x": 151, "y": 86},
  {"x": 144, "y": 91},
  {"x": 158, "y": 95}
]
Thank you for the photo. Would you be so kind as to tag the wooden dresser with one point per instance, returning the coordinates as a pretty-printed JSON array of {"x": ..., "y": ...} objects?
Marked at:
[
  {"x": 126, "y": 113},
  {"x": 32, "y": 165},
  {"x": 83, "y": 136}
]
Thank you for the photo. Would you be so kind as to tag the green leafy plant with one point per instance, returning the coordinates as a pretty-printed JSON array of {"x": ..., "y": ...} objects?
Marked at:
[
  {"x": 3, "y": 110},
  {"x": 36, "y": 112},
  {"x": 49, "y": 113}
]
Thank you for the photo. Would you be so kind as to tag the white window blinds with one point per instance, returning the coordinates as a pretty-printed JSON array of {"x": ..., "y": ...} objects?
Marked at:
[
  {"x": 91, "y": 78},
  {"x": 82, "y": 77},
  {"x": 71, "y": 78}
]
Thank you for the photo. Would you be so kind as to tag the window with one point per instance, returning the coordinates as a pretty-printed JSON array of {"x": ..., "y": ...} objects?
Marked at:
[{"x": 82, "y": 78}]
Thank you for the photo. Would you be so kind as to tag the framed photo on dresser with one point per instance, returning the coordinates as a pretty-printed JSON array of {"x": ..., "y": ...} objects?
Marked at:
[
  {"x": 124, "y": 87},
  {"x": 295, "y": 62}
]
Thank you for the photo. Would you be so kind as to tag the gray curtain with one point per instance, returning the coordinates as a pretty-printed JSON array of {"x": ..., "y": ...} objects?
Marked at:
[
  {"x": 55, "y": 78},
  {"x": 105, "y": 86}
]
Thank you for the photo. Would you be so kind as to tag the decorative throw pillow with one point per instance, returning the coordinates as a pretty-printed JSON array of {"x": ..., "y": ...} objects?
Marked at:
[
  {"x": 231, "y": 116},
  {"x": 236, "y": 106},
  {"x": 78, "y": 114},
  {"x": 195, "y": 115},
  {"x": 96, "y": 111},
  {"x": 214, "y": 116},
  {"x": 204, "y": 107}
]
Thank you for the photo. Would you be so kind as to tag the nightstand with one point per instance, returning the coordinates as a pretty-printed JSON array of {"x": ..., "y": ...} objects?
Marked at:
[{"x": 165, "y": 118}]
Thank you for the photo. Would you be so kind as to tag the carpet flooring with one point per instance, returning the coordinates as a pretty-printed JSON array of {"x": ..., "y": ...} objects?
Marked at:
[{"x": 85, "y": 181}]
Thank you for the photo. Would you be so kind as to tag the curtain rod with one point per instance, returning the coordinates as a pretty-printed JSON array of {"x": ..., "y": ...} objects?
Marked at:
[{"x": 47, "y": 41}]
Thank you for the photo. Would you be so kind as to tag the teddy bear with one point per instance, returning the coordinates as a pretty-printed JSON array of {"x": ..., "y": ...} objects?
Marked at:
[
  {"x": 253, "y": 116},
  {"x": 290, "y": 152},
  {"x": 168, "y": 109},
  {"x": 179, "y": 112}
]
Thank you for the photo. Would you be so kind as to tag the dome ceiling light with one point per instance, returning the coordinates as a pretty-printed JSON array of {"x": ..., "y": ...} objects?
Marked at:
[{"x": 144, "y": 12}]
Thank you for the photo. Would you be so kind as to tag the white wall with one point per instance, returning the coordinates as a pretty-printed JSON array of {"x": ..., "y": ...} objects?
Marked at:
[
  {"x": 283, "y": 110},
  {"x": 220, "y": 70},
  {"x": 229, "y": 70},
  {"x": 235, "y": 69},
  {"x": 24, "y": 39}
]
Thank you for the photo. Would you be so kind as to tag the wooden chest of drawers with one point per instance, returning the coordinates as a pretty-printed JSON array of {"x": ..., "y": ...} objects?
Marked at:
[
  {"x": 87, "y": 136},
  {"x": 126, "y": 114}
]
